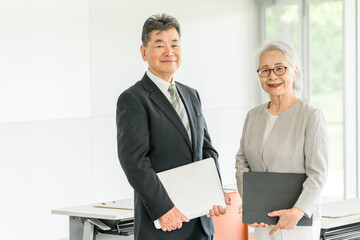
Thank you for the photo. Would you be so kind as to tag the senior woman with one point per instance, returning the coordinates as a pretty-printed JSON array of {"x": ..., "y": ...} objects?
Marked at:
[{"x": 285, "y": 135}]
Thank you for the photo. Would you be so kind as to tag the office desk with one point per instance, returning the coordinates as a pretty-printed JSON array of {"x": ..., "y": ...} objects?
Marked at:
[
  {"x": 86, "y": 220},
  {"x": 345, "y": 220}
]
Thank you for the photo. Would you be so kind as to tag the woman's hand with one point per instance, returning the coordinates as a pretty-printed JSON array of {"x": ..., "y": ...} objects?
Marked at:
[
  {"x": 287, "y": 218},
  {"x": 253, "y": 224},
  {"x": 259, "y": 225}
]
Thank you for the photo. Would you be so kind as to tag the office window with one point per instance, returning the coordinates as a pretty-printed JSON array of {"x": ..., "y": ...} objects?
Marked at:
[
  {"x": 282, "y": 23},
  {"x": 326, "y": 78},
  {"x": 315, "y": 29}
]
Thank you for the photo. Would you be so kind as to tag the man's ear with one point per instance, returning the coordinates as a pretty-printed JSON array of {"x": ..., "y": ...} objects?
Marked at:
[{"x": 143, "y": 52}]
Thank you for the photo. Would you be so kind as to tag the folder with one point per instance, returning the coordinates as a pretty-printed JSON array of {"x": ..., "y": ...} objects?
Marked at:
[
  {"x": 265, "y": 192},
  {"x": 194, "y": 188}
]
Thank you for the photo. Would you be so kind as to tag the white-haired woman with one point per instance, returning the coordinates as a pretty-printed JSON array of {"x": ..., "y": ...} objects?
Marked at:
[{"x": 285, "y": 134}]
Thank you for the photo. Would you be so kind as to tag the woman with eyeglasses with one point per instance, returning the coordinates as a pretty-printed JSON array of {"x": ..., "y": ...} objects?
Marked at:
[{"x": 285, "y": 135}]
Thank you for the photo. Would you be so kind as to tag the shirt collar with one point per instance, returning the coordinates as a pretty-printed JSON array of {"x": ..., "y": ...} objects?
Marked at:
[{"x": 160, "y": 83}]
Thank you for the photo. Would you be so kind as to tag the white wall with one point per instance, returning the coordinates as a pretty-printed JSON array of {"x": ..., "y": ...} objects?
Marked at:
[{"x": 63, "y": 65}]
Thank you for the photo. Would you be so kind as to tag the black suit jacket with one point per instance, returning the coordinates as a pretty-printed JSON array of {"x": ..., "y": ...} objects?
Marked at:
[{"x": 151, "y": 138}]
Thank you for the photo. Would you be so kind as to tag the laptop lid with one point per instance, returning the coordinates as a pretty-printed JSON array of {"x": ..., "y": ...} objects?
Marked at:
[{"x": 194, "y": 188}]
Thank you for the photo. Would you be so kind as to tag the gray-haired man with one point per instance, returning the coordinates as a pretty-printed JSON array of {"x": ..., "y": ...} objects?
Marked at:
[{"x": 160, "y": 126}]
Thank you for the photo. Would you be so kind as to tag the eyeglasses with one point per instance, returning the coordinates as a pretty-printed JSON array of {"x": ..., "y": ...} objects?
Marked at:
[{"x": 278, "y": 71}]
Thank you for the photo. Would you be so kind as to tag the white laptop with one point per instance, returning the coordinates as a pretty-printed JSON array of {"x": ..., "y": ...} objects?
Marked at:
[{"x": 194, "y": 188}]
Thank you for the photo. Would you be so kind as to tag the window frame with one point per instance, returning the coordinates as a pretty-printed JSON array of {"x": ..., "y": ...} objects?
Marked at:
[{"x": 351, "y": 64}]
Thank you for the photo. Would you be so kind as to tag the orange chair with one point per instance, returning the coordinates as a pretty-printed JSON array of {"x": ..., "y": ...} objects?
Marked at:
[{"x": 230, "y": 226}]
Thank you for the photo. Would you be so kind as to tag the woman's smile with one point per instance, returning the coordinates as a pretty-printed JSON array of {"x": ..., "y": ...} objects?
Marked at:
[{"x": 274, "y": 85}]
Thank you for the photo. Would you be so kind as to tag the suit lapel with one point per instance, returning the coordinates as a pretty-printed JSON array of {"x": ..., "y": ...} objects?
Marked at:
[{"x": 165, "y": 106}]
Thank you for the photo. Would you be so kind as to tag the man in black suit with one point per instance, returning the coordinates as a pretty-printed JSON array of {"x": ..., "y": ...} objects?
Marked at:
[{"x": 160, "y": 126}]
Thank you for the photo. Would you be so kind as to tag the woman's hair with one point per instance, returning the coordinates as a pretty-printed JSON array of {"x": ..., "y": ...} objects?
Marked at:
[{"x": 290, "y": 55}]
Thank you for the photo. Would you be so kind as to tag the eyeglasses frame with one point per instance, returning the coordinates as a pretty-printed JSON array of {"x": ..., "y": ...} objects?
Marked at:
[{"x": 272, "y": 70}]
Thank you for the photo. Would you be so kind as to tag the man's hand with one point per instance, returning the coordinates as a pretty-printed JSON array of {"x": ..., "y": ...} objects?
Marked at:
[
  {"x": 172, "y": 220},
  {"x": 218, "y": 210},
  {"x": 287, "y": 218}
]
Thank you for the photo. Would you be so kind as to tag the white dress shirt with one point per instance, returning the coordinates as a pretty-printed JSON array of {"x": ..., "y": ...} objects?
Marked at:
[
  {"x": 270, "y": 122},
  {"x": 162, "y": 84}
]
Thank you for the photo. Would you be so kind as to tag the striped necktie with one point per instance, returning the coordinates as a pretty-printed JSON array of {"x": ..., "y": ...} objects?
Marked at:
[{"x": 179, "y": 108}]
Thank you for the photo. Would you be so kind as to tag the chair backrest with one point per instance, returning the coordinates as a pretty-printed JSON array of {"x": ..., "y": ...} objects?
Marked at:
[{"x": 230, "y": 226}]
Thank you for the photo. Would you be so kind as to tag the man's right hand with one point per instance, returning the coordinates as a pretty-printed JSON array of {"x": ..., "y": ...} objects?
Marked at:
[{"x": 172, "y": 220}]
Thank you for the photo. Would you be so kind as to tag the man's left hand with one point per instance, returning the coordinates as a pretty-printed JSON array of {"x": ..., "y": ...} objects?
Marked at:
[
  {"x": 287, "y": 218},
  {"x": 218, "y": 210}
]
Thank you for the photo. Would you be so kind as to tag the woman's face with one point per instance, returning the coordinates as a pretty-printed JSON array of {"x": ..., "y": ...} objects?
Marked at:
[{"x": 273, "y": 84}]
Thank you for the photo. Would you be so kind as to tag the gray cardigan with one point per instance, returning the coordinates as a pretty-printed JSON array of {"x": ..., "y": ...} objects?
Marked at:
[{"x": 298, "y": 143}]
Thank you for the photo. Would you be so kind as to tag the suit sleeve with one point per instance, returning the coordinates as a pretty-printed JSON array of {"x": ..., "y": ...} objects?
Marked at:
[
  {"x": 316, "y": 148},
  {"x": 241, "y": 164},
  {"x": 133, "y": 146}
]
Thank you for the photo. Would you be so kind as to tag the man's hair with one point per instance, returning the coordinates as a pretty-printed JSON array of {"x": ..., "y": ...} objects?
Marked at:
[{"x": 161, "y": 22}]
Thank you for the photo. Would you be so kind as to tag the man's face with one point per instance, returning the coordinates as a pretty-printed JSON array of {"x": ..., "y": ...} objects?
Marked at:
[{"x": 163, "y": 53}]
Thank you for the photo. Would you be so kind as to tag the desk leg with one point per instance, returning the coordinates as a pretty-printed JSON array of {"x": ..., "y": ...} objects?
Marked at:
[
  {"x": 76, "y": 228},
  {"x": 88, "y": 230}
]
